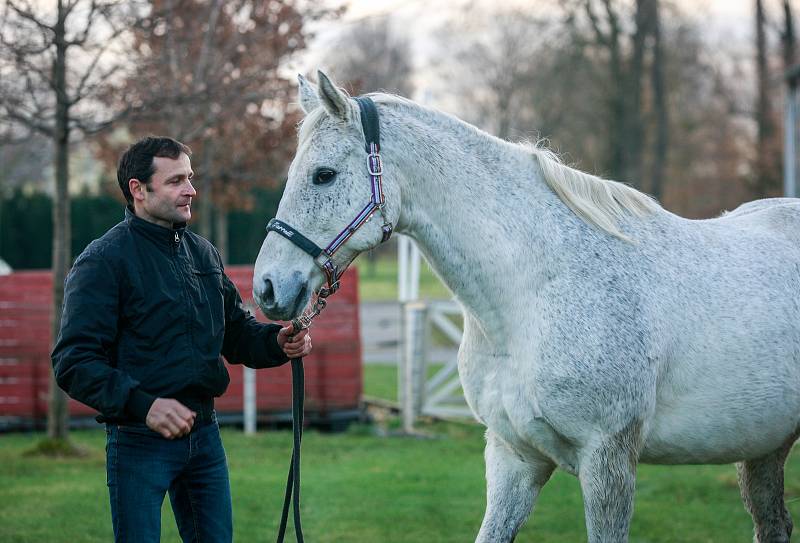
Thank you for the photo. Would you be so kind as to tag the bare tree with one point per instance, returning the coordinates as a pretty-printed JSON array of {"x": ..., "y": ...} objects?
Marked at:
[
  {"x": 767, "y": 160},
  {"x": 661, "y": 140},
  {"x": 762, "y": 106},
  {"x": 788, "y": 38},
  {"x": 493, "y": 72},
  {"x": 53, "y": 66},
  {"x": 370, "y": 56},
  {"x": 580, "y": 90},
  {"x": 622, "y": 38},
  {"x": 217, "y": 71}
]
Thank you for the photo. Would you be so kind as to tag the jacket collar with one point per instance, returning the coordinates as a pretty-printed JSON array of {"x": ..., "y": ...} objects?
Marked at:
[{"x": 158, "y": 234}]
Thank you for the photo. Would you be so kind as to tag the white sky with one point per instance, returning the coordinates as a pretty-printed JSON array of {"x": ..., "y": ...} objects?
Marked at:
[
  {"x": 728, "y": 22},
  {"x": 726, "y": 17},
  {"x": 727, "y": 25},
  {"x": 724, "y": 8}
]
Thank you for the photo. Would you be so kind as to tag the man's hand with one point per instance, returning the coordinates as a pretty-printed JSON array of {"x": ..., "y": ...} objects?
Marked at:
[
  {"x": 295, "y": 346},
  {"x": 170, "y": 418}
]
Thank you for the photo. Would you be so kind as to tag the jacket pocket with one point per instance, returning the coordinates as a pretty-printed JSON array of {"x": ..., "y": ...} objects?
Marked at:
[
  {"x": 209, "y": 284},
  {"x": 210, "y": 299}
]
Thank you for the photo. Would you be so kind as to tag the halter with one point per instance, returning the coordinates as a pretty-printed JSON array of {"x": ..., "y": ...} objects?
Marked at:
[{"x": 323, "y": 258}]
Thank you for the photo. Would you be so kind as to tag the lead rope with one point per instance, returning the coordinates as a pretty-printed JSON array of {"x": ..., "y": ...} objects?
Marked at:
[{"x": 292, "y": 493}]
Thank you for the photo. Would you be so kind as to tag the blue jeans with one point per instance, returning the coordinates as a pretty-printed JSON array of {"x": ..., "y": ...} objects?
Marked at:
[{"x": 143, "y": 466}]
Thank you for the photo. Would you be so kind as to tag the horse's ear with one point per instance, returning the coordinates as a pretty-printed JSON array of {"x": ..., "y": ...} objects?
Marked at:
[
  {"x": 335, "y": 102},
  {"x": 308, "y": 96}
]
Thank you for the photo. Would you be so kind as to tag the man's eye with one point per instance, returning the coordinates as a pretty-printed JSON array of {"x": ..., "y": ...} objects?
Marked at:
[{"x": 323, "y": 176}]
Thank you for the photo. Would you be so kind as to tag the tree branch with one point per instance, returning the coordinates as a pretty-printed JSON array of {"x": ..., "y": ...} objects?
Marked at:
[
  {"x": 88, "y": 73},
  {"x": 29, "y": 122},
  {"x": 84, "y": 34},
  {"x": 602, "y": 38},
  {"x": 202, "y": 59},
  {"x": 95, "y": 127},
  {"x": 613, "y": 20},
  {"x": 29, "y": 16}
]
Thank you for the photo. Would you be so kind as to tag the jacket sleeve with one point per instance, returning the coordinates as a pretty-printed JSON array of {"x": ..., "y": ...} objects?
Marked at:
[
  {"x": 81, "y": 357},
  {"x": 248, "y": 341}
]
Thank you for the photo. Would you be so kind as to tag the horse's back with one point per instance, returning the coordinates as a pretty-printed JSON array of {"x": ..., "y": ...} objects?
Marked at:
[
  {"x": 759, "y": 205},
  {"x": 778, "y": 215}
]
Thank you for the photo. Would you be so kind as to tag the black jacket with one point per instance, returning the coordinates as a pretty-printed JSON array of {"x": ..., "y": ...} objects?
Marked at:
[{"x": 147, "y": 312}]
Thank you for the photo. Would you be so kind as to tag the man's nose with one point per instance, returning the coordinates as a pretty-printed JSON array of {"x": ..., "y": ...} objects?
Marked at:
[{"x": 190, "y": 191}]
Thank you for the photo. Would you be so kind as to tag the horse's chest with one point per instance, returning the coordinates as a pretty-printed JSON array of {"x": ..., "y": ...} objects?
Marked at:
[{"x": 505, "y": 400}]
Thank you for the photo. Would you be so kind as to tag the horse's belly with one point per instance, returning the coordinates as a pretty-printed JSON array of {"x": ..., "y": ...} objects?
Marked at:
[{"x": 705, "y": 431}]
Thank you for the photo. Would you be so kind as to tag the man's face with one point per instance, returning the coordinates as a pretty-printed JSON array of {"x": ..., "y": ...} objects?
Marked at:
[{"x": 168, "y": 197}]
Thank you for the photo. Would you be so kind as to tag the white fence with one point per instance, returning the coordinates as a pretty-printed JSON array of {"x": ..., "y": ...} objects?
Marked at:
[{"x": 439, "y": 394}]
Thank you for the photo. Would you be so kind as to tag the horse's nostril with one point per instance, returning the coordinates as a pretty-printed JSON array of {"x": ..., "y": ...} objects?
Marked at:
[{"x": 268, "y": 296}]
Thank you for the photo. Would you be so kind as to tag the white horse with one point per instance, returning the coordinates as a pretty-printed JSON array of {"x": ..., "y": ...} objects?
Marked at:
[{"x": 600, "y": 329}]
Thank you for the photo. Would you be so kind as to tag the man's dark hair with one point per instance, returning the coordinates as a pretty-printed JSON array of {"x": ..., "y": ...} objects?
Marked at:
[{"x": 137, "y": 161}]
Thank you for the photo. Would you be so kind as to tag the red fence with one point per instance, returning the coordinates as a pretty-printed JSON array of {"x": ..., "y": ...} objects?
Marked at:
[{"x": 333, "y": 371}]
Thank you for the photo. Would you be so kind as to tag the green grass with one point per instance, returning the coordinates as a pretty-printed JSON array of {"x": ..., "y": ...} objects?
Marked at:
[
  {"x": 380, "y": 283},
  {"x": 380, "y": 380},
  {"x": 361, "y": 487}
]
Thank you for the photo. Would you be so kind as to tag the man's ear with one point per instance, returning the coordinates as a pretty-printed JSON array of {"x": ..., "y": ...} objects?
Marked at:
[{"x": 137, "y": 189}]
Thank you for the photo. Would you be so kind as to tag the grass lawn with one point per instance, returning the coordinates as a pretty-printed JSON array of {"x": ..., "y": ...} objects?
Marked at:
[{"x": 359, "y": 486}]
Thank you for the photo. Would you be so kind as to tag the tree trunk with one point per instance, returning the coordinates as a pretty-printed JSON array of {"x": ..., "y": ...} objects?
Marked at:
[
  {"x": 58, "y": 414},
  {"x": 618, "y": 110},
  {"x": 765, "y": 171},
  {"x": 504, "y": 112},
  {"x": 789, "y": 40},
  {"x": 631, "y": 90},
  {"x": 205, "y": 196},
  {"x": 661, "y": 145}
]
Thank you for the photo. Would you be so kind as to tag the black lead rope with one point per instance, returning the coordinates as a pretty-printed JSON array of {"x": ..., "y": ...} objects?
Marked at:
[
  {"x": 292, "y": 493},
  {"x": 293, "y": 482}
]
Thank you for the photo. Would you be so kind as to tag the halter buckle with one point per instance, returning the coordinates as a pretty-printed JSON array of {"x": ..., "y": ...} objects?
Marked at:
[{"x": 377, "y": 171}]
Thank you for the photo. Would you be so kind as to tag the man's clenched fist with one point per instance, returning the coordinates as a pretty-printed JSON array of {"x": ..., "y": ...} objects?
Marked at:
[{"x": 170, "y": 418}]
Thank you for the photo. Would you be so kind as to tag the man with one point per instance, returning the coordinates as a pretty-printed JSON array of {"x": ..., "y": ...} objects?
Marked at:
[{"x": 148, "y": 310}]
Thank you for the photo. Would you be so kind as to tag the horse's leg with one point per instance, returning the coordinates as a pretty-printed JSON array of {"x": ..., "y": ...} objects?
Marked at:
[
  {"x": 761, "y": 484},
  {"x": 607, "y": 474},
  {"x": 512, "y": 486}
]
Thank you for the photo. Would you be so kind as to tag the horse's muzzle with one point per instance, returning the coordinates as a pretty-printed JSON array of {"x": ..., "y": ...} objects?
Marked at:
[{"x": 281, "y": 299}]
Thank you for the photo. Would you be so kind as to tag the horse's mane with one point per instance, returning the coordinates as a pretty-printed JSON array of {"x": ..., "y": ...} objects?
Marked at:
[{"x": 597, "y": 201}]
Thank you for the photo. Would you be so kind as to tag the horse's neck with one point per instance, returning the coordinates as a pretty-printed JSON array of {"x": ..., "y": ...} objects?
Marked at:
[{"x": 480, "y": 213}]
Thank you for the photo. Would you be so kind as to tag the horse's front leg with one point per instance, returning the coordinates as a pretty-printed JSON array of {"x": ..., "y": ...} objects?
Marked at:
[
  {"x": 608, "y": 478},
  {"x": 512, "y": 486}
]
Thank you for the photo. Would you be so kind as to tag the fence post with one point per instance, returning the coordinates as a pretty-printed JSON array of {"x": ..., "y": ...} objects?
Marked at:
[
  {"x": 249, "y": 390},
  {"x": 414, "y": 355},
  {"x": 249, "y": 400}
]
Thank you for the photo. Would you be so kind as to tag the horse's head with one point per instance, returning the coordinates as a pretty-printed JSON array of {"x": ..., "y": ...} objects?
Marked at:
[{"x": 329, "y": 185}]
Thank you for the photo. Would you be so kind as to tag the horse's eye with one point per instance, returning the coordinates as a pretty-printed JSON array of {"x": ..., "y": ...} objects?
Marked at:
[{"x": 323, "y": 176}]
